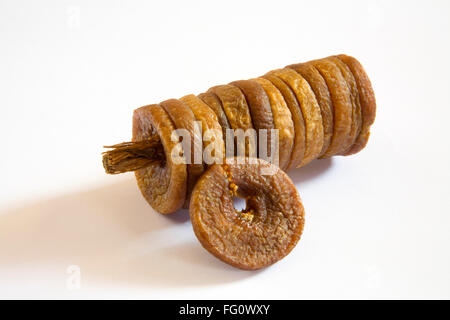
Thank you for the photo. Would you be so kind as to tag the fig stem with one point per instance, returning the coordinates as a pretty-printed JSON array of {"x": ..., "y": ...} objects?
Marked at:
[{"x": 132, "y": 156}]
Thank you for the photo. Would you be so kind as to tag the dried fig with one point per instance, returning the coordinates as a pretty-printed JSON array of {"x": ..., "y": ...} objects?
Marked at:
[
  {"x": 258, "y": 102},
  {"x": 298, "y": 149},
  {"x": 183, "y": 118},
  {"x": 262, "y": 234},
  {"x": 214, "y": 103},
  {"x": 234, "y": 105},
  {"x": 311, "y": 111},
  {"x": 282, "y": 119},
  {"x": 212, "y": 132},
  {"x": 354, "y": 95},
  {"x": 342, "y": 105},
  {"x": 319, "y": 86},
  {"x": 162, "y": 184},
  {"x": 261, "y": 114},
  {"x": 367, "y": 100},
  {"x": 236, "y": 108}
]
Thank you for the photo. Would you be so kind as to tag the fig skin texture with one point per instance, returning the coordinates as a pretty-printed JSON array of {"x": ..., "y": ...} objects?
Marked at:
[
  {"x": 164, "y": 184},
  {"x": 282, "y": 119},
  {"x": 236, "y": 109},
  {"x": 258, "y": 103},
  {"x": 214, "y": 103},
  {"x": 311, "y": 112},
  {"x": 367, "y": 100},
  {"x": 210, "y": 123},
  {"x": 319, "y": 86},
  {"x": 183, "y": 118},
  {"x": 342, "y": 105},
  {"x": 265, "y": 232},
  {"x": 260, "y": 110},
  {"x": 234, "y": 105},
  {"x": 354, "y": 95},
  {"x": 298, "y": 150}
]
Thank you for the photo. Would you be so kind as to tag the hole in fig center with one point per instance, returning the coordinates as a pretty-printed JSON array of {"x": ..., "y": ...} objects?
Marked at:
[{"x": 239, "y": 204}]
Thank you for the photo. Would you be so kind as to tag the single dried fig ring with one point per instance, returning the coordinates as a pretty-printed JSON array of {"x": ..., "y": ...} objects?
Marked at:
[
  {"x": 183, "y": 118},
  {"x": 320, "y": 88},
  {"x": 342, "y": 105},
  {"x": 234, "y": 105},
  {"x": 265, "y": 232},
  {"x": 367, "y": 100},
  {"x": 354, "y": 95},
  {"x": 236, "y": 109},
  {"x": 282, "y": 119},
  {"x": 298, "y": 149},
  {"x": 258, "y": 103},
  {"x": 212, "y": 132},
  {"x": 260, "y": 111},
  {"x": 214, "y": 103},
  {"x": 162, "y": 184}
]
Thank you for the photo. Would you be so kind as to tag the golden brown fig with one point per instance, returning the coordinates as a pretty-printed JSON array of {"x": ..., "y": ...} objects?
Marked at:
[
  {"x": 236, "y": 108},
  {"x": 234, "y": 105},
  {"x": 212, "y": 132},
  {"x": 282, "y": 119},
  {"x": 367, "y": 100},
  {"x": 183, "y": 118},
  {"x": 262, "y": 234},
  {"x": 214, "y": 103},
  {"x": 354, "y": 95},
  {"x": 311, "y": 112},
  {"x": 258, "y": 102},
  {"x": 319, "y": 86},
  {"x": 342, "y": 105},
  {"x": 261, "y": 113},
  {"x": 162, "y": 184},
  {"x": 298, "y": 150}
]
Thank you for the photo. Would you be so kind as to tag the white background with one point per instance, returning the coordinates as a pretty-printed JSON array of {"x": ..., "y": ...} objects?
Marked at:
[{"x": 71, "y": 73}]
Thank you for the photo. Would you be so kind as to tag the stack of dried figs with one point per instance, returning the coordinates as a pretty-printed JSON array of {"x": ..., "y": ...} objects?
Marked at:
[{"x": 188, "y": 152}]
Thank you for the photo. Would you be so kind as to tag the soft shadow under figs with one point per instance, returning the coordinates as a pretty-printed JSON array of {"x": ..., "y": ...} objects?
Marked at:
[
  {"x": 114, "y": 236},
  {"x": 310, "y": 171}
]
